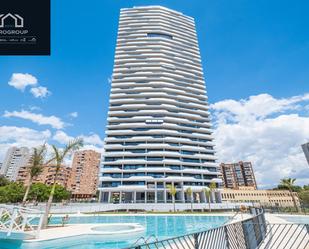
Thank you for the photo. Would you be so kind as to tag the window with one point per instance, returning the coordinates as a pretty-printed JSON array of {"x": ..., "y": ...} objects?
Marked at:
[
  {"x": 126, "y": 175},
  {"x": 160, "y": 35},
  {"x": 133, "y": 166},
  {"x": 114, "y": 175},
  {"x": 154, "y": 158},
  {"x": 133, "y": 183},
  {"x": 155, "y": 175}
]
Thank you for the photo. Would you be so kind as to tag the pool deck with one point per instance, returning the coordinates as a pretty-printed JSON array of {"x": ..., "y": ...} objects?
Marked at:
[{"x": 85, "y": 229}]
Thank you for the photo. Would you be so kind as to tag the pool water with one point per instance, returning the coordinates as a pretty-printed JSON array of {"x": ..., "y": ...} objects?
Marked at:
[{"x": 160, "y": 226}]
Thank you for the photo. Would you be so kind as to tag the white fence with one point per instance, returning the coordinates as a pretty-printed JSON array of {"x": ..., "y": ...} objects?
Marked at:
[{"x": 18, "y": 222}]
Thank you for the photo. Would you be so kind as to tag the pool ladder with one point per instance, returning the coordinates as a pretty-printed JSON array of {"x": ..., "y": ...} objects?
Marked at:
[{"x": 145, "y": 240}]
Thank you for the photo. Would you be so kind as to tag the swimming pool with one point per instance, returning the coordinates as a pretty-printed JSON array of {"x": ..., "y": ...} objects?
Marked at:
[
  {"x": 298, "y": 219},
  {"x": 161, "y": 226}
]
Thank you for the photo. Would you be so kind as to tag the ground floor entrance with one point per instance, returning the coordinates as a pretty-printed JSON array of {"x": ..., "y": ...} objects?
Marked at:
[{"x": 158, "y": 196}]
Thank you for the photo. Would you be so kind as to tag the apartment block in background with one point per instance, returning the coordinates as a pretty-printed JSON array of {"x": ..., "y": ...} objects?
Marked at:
[
  {"x": 23, "y": 174},
  {"x": 48, "y": 174},
  {"x": 306, "y": 151},
  {"x": 235, "y": 175},
  {"x": 15, "y": 159},
  {"x": 84, "y": 177}
]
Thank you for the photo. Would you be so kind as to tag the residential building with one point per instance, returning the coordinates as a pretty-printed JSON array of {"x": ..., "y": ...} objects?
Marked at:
[
  {"x": 159, "y": 130},
  {"x": 48, "y": 174},
  {"x": 305, "y": 148},
  {"x": 23, "y": 174},
  {"x": 15, "y": 158},
  {"x": 83, "y": 182},
  {"x": 281, "y": 198},
  {"x": 235, "y": 175}
]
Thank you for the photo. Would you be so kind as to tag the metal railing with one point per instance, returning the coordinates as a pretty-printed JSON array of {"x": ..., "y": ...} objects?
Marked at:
[
  {"x": 286, "y": 236},
  {"x": 251, "y": 233}
]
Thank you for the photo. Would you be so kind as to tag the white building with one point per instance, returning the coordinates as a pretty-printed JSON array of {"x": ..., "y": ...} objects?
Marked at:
[
  {"x": 14, "y": 159},
  {"x": 159, "y": 130}
]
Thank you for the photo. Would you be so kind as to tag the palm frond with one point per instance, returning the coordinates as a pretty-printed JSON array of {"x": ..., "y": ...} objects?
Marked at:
[
  {"x": 172, "y": 189},
  {"x": 56, "y": 154},
  {"x": 37, "y": 161},
  {"x": 71, "y": 146}
]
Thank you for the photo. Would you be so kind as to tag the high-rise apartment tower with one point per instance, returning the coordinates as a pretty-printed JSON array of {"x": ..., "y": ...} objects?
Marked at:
[
  {"x": 236, "y": 175},
  {"x": 15, "y": 158},
  {"x": 83, "y": 182},
  {"x": 159, "y": 131}
]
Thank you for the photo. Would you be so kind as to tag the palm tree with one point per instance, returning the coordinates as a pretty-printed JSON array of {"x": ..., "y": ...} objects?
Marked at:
[
  {"x": 58, "y": 158},
  {"x": 35, "y": 168},
  {"x": 189, "y": 193},
  {"x": 289, "y": 184},
  {"x": 172, "y": 190},
  {"x": 212, "y": 187},
  {"x": 207, "y": 195}
]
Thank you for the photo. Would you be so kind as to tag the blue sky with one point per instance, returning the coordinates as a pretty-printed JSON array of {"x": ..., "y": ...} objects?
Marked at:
[{"x": 248, "y": 48}]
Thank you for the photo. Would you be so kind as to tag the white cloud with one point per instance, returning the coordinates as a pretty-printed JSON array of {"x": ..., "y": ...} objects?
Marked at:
[
  {"x": 40, "y": 92},
  {"x": 266, "y": 131},
  {"x": 73, "y": 114},
  {"x": 53, "y": 121},
  {"x": 20, "y": 136},
  {"x": 35, "y": 108},
  {"x": 256, "y": 107},
  {"x": 92, "y": 141},
  {"x": 62, "y": 138},
  {"x": 21, "y": 80}
]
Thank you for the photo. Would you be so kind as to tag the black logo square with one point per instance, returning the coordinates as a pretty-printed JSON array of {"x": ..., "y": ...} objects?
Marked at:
[{"x": 25, "y": 27}]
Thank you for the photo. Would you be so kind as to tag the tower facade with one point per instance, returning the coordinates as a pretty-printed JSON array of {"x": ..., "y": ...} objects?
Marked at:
[
  {"x": 159, "y": 132},
  {"x": 15, "y": 158},
  {"x": 83, "y": 181},
  {"x": 236, "y": 175}
]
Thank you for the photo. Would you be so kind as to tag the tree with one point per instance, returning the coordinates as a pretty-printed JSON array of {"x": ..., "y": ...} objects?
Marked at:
[
  {"x": 4, "y": 181},
  {"x": 288, "y": 183},
  {"x": 61, "y": 193},
  {"x": 12, "y": 193},
  {"x": 35, "y": 168},
  {"x": 306, "y": 187},
  {"x": 189, "y": 193},
  {"x": 58, "y": 158},
  {"x": 212, "y": 187},
  {"x": 207, "y": 193},
  {"x": 295, "y": 188},
  {"x": 172, "y": 190},
  {"x": 304, "y": 197},
  {"x": 39, "y": 192}
]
